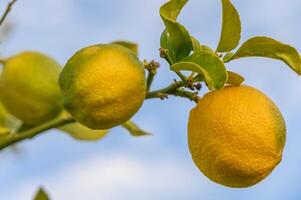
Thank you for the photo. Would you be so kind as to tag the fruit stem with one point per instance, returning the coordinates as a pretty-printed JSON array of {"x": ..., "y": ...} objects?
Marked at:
[
  {"x": 30, "y": 133},
  {"x": 149, "y": 80}
]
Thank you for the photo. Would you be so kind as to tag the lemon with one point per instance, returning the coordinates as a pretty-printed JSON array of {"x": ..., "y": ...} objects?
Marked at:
[
  {"x": 103, "y": 85},
  {"x": 80, "y": 132},
  {"x": 236, "y": 136},
  {"x": 29, "y": 87}
]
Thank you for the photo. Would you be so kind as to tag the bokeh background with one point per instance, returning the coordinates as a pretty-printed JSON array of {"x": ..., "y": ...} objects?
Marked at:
[{"x": 158, "y": 167}]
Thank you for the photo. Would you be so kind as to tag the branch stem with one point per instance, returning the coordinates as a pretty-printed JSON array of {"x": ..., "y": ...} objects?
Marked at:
[
  {"x": 151, "y": 68},
  {"x": 30, "y": 133},
  {"x": 173, "y": 89},
  {"x": 7, "y": 10},
  {"x": 149, "y": 80},
  {"x": 164, "y": 54}
]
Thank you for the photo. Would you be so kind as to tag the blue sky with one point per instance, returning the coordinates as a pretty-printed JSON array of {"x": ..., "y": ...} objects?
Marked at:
[{"x": 158, "y": 167}]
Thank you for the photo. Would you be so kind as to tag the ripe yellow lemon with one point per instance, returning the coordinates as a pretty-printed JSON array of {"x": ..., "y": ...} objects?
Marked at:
[
  {"x": 236, "y": 136},
  {"x": 103, "y": 85},
  {"x": 29, "y": 87}
]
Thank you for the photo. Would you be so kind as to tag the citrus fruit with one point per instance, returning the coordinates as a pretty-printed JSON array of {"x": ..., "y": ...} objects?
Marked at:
[
  {"x": 29, "y": 88},
  {"x": 80, "y": 132},
  {"x": 236, "y": 136},
  {"x": 103, "y": 85}
]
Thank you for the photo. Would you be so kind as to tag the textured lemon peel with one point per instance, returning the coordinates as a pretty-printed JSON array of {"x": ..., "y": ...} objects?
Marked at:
[
  {"x": 103, "y": 86},
  {"x": 236, "y": 136},
  {"x": 29, "y": 88}
]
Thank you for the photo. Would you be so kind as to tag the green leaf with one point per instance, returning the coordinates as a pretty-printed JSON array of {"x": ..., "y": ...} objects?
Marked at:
[
  {"x": 234, "y": 78},
  {"x": 193, "y": 67},
  {"x": 175, "y": 38},
  {"x": 7, "y": 121},
  {"x": 197, "y": 47},
  {"x": 270, "y": 48},
  {"x": 171, "y": 10},
  {"x": 231, "y": 28},
  {"x": 207, "y": 49},
  {"x": 82, "y": 133},
  {"x": 164, "y": 40},
  {"x": 134, "y": 129},
  {"x": 130, "y": 45},
  {"x": 41, "y": 195},
  {"x": 206, "y": 64},
  {"x": 227, "y": 57}
]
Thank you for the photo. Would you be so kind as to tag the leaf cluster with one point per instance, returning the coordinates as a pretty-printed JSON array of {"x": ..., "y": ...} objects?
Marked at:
[{"x": 185, "y": 53}]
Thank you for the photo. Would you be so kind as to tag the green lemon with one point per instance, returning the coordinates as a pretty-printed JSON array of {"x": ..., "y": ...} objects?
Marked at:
[
  {"x": 103, "y": 85},
  {"x": 29, "y": 87}
]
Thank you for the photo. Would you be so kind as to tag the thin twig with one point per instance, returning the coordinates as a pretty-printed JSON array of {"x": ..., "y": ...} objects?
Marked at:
[
  {"x": 8, "y": 9},
  {"x": 151, "y": 67},
  {"x": 32, "y": 132},
  {"x": 173, "y": 89},
  {"x": 164, "y": 54}
]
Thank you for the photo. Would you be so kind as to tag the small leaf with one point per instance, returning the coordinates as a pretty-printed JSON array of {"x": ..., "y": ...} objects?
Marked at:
[
  {"x": 196, "y": 46},
  {"x": 171, "y": 10},
  {"x": 165, "y": 40},
  {"x": 7, "y": 121},
  {"x": 193, "y": 67},
  {"x": 270, "y": 48},
  {"x": 207, "y": 49},
  {"x": 176, "y": 38},
  {"x": 227, "y": 57},
  {"x": 41, "y": 195},
  {"x": 130, "y": 45},
  {"x": 134, "y": 129},
  {"x": 207, "y": 64},
  {"x": 234, "y": 78},
  {"x": 82, "y": 133},
  {"x": 231, "y": 28}
]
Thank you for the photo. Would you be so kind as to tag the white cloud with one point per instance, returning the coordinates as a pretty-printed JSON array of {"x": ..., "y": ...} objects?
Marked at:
[{"x": 116, "y": 177}]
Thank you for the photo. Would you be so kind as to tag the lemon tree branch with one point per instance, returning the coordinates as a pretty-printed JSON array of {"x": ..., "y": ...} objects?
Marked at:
[
  {"x": 7, "y": 10},
  {"x": 173, "y": 89},
  {"x": 164, "y": 54},
  {"x": 177, "y": 88},
  {"x": 32, "y": 132},
  {"x": 151, "y": 67}
]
